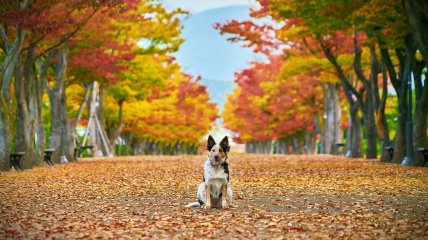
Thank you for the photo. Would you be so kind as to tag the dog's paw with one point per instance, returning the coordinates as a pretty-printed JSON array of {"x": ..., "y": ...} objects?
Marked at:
[
  {"x": 206, "y": 206},
  {"x": 224, "y": 205}
]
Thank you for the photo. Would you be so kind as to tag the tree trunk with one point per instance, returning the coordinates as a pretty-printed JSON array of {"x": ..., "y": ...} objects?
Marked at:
[
  {"x": 281, "y": 146},
  {"x": 128, "y": 140},
  {"x": 350, "y": 90},
  {"x": 23, "y": 135},
  {"x": 31, "y": 95},
  {"x": 382, "y": 124},
  {"x": 310, "y": 146},
  {"x": 5, "y": 135},
  {"x": 55, "y": 130},
  {"x": 371, "y": 97},
  {"x": 67, "y": 139},
  {"x": 370, "y": 125},
  {"x": 354, "y": 136},
  {"x": 43, "y": 64},
  {"x": 400, "y": 137},
  {"x": 248, "y": 147},
  {"x": 332, "y": 112},
  {"x": 116, "y": 133},
  {"x": 402, "y": 93},
  {"x": 372, "y": 105},
  {"x": 421, "y": 113},
  {"x": 417, "y": 14},
  {"x": 7, "y": 68},
  {"x": 61, "y": 140},
  {"x": 40, "y": 129}
]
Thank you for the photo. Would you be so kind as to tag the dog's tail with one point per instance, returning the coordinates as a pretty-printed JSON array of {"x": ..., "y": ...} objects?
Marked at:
[{"x": 193, "y": 205}]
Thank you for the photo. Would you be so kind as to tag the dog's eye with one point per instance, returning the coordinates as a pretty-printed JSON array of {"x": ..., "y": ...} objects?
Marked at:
[{"x": 220, "y": 150}]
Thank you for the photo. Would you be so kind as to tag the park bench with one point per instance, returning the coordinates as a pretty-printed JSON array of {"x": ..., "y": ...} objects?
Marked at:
[
  {"x": 79, "y": 150},
  {"x": 390, "y": 152},
  {"x": 15, "y": 160},
  {"x": 48, "y": 155},
  {"x": 424, "y": 151},
  {"x": 340, "y": 146}
]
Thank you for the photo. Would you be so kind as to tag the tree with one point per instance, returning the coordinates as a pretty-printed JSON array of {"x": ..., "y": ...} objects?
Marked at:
[
  {"x": 293, "y": 38},
  {"x": 172, "y": 119},
  {"x": 35, "y": 26}
]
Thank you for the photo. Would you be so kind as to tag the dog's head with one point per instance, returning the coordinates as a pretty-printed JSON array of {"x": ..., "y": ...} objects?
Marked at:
[{"x": 217, "y": 153}]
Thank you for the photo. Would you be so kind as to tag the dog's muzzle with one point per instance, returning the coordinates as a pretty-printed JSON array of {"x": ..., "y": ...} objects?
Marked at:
[{"x": 215, "y": 161}]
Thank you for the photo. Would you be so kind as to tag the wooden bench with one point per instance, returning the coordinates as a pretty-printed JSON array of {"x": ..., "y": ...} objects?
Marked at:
[
  {"x": 390, "y": 152},
  {"x": 341, "y": 146},
  {"x": 78, "y": 151},
  {"x": 48, "y": 155},
  {"x": 424, "y": 151},
  {"x": 15, "y": 160}
]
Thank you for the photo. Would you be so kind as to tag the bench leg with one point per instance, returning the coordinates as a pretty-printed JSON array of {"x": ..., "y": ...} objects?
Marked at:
[
  {"x": 425, "y": 160},
  {"x": 20, "y": 164},
  {"x": 15, "y": 164},
  {"x": 391, "y": 155}
]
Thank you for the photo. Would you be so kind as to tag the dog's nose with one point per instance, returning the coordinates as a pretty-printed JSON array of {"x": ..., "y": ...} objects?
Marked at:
[{"x": 216, "y": 157}]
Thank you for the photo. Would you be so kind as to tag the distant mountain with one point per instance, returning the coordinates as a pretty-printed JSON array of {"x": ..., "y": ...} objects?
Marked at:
[
  {"x": 207, "y": 53},
  {"x": 218, "y": 90}
]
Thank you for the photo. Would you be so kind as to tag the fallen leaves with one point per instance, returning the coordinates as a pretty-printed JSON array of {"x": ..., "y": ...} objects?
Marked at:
[{"x": 274, "y": 197}]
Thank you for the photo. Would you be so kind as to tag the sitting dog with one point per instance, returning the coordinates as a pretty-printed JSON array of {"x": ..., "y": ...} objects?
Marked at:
[{"x": 215, "y": 191}]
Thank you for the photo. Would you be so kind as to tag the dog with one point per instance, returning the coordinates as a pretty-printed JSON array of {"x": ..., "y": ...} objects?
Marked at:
[{"x": 215, "y": 191}]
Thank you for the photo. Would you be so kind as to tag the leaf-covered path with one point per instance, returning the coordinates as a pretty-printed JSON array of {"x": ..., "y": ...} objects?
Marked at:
[{"x": 274, "y": 197}]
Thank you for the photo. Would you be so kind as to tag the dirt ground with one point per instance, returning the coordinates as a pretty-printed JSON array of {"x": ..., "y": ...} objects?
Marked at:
[{"x": 275, "y": 197}]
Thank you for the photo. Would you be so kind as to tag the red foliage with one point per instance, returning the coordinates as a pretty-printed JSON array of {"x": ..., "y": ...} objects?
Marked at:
[
  {"x": 270, "y": 107},
  {"x": 261, "y": 38}
]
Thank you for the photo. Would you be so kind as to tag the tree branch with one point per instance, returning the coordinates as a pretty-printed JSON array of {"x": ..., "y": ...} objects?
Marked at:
[
  {"x": 68, "y": 35},
  {"x": 5, "y": 38},
  {"x": 357, "y": 61},
  {"x": 345, "y": 83}
]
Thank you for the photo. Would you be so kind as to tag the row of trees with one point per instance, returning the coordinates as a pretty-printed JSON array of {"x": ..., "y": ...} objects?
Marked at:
[
  {"x": 52, "y": 52},
  {"x": 329, "y": 66}
]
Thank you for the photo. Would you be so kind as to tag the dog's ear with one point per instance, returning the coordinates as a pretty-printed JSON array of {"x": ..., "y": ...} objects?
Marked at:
[
  {"x": 224, "y": 144},
  {"x": 210, "y": 143}
]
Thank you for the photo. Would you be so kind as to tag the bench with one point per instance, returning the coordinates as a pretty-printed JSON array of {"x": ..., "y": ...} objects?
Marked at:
[
  {"x": 390, "y": 150},
  {"x": 15, "y": 160},
  {"x": 424, "y": 151},
  {"x": 340, "y": 146},
  {"x": 47, "y": 157},
  {"x": 78, "y": 151}
]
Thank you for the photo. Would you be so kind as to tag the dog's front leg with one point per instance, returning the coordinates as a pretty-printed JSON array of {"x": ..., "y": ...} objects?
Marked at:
[
  {"x": 224, "y": 204},
  {"x": 207, "y": 204}
]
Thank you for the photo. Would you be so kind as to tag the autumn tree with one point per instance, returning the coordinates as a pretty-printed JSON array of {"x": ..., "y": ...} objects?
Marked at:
[
  {"x": 38, "y": 29},
  {"x": 369, "y": 32},
  {"x": 172, "y": 119},
  {"x": 129, "y": 59},
  {"x": 294, "y": 41}
]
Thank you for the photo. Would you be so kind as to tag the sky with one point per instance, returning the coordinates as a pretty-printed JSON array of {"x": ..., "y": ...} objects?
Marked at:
[
  {"x": 205, "y": 52},
  {"x": 195, "y": 6}
]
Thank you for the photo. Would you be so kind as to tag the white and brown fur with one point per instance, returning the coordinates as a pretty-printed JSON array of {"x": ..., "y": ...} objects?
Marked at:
[{"x": 215, "y": 190}]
